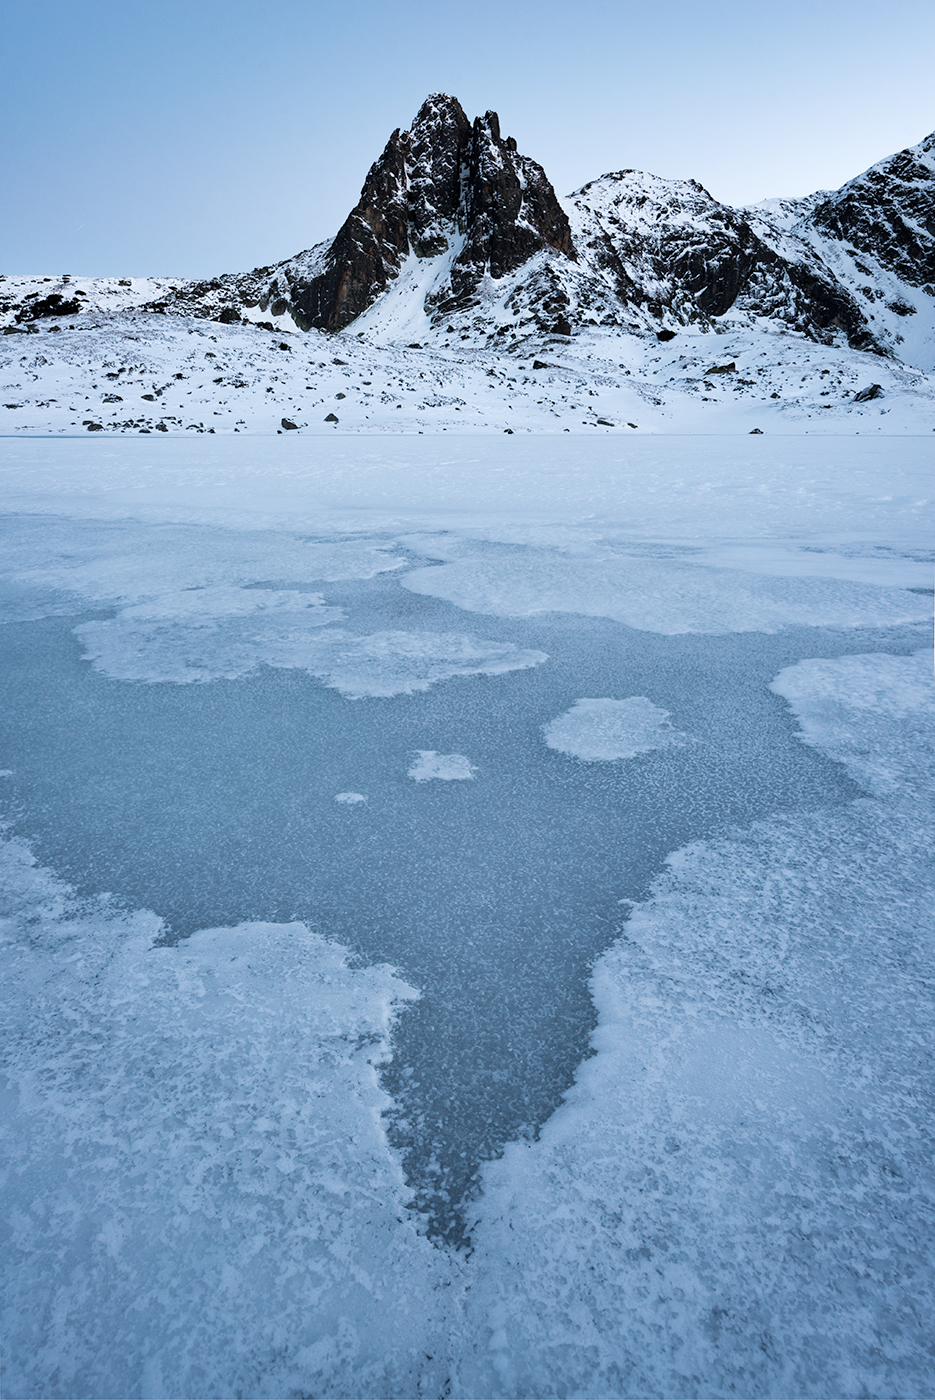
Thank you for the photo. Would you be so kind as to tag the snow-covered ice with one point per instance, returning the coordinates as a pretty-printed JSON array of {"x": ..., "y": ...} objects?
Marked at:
[
  {"x": 350, "y": 798},
  {"x": 134, "y": 646},
  {"x": 738, "y": 1193},
  {"x": 603, "y": 730}
]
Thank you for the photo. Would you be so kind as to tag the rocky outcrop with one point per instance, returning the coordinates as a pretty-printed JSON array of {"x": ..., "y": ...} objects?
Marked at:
[
  {"x": 888, "y": 214},
  {"x": 445, "y": 185},
  {"x": 670, "y": 249}
]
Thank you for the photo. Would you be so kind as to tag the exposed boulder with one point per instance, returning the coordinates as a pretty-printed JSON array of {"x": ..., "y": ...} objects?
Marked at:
[{"x": 52, "y": 305}]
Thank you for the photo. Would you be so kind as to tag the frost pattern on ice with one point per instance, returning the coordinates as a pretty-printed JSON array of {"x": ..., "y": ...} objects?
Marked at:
[
  {"x": 886, "y": 692},
  {"x": 351, "y": 799},
  {"x": 447, "y": 766},
  {"x": 751, "y": 1146},
  {"x": 126, "y": 563},
  {"x": 287, "y": 631},
  {"x": 217, "y": 1211},
  {"x": 595, "y": 730}
]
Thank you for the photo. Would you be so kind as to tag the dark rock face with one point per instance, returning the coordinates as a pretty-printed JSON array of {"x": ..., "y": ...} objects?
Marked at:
[
  {"x": 444, "y": 180},
  {"x": 889, "y": 214},
  {"x": 52, "y": 305}
]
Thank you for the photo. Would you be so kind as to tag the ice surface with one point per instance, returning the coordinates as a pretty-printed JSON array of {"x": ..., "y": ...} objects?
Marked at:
[
  {"x": 135, "y": 647},
  {"x": 821, "y": 499},
  {"x": 738, "y": 1194},
  {"x": 217, "y": 1210},
  {"x": 607, "y": 729},
  {"x": 447, "y": 766},
  {"x": 177, "y": 568},
  {"x": 658, "y": 595},
  {"x": 749, "y": 1148}
]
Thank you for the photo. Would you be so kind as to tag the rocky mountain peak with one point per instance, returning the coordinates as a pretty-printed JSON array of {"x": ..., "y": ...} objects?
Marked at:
[
  {"x": 444, "y": 185},
  {"x": 888, "y": 214},
  {"x": 455, "y": 225}
]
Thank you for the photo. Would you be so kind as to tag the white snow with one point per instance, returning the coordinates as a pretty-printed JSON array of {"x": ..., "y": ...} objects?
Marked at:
[
  {"x": 827, "y": 500},
  {"x": 885, "y": 693},
  {"x": 133, "y": 374},
  {"x": 655, "y": 596},
  {"x": 603, "y": 730},
  {"x": 350, "y": 798},
  {"x": 449, "y": 767}
]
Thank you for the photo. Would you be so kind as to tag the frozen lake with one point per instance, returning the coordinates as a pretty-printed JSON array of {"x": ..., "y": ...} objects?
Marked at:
[{"x": 455, "y": 718}]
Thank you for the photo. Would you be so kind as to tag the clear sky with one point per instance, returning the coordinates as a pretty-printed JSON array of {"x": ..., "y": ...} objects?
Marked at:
[{"x": 194, "y": 136}]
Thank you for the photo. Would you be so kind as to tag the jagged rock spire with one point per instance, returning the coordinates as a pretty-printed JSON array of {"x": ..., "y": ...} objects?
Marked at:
[{"x": 444, "y": 179}]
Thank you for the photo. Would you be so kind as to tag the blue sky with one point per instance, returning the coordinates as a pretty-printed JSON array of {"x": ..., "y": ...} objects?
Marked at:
[{"x": 213, "y": 135}]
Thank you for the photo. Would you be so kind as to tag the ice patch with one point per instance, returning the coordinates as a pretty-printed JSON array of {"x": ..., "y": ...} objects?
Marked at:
[
  {"x": 751, "y": 1145},
  {"x": 889, "y": 700},
  {"x": 286, "y": 631},
  {"x": 125, "y": 563},
  {"x": 658, "y": 595},
  {"x": 350, "y": 798},
  {"x": 608, "y": 729},
  {"x": 448, "y": 766},
  {"x": 198, "y": 1195}
]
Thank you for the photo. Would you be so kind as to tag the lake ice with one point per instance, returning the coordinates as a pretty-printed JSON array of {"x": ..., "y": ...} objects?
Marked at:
[{"x": 529, "y": 885}]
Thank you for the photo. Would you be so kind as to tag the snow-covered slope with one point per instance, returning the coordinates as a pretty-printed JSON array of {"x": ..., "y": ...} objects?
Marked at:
[
  {"x": 877, "y": 236},
  {"x": 143, "y": 373},
  {"x": 26, "y": 300},
  {"x": 667, "y": 248}
]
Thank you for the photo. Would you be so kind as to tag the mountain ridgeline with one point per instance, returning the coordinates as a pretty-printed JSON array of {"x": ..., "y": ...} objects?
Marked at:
[{"x": 456, "y": 232}]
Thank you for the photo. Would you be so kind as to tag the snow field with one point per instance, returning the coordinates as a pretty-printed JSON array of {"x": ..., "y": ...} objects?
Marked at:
[{"x": 142, "y": 373}]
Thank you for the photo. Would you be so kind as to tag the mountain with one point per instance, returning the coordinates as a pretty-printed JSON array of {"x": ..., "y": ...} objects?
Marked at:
[{"x": 457, "y": 232}]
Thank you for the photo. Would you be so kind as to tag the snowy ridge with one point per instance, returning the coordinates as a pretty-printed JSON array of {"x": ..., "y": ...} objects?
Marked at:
[{"x": 26, "y": 300}]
